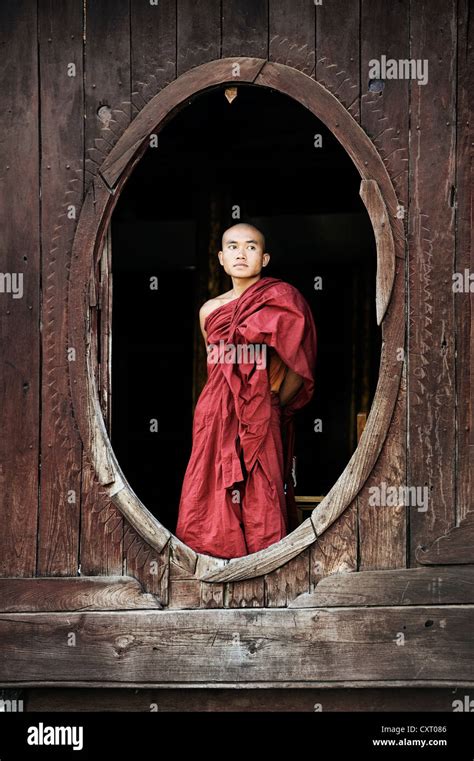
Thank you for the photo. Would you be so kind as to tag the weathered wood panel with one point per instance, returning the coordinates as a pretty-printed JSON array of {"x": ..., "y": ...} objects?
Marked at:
[
  {"x": 292, "y": 579},
  {"x": 146, "y": 564},
  {"x": 464, "y": 302},
  {"x": 409, "y": 586},
  {"x": 383, "y": 527},
  {"x": 337, "y": 69},
  {"x": 292, "y": 34},
  {"x": 431, "y": 343},
  {"x": 20, "y": 296},
  {"x": 73, "y": 593},
  {"x": 198, "y": 32},
  {"x": 108, "y": 112},
  {"x": 62, "y": 152},
  {"x": 107, "y": 89},
  {"x": 384, "y": 30},
  {"x": 245, "y": 28},
  {"x": 338, "y": 51},
  {"x": 385, "y": 117},
  {"x": 456, "y": 546},
  {"x": 335, "y": 551},
  {"x": 245, "y": 594},
  {"x": 241, "y": 646},
  {"x": 153, "y": 49}
]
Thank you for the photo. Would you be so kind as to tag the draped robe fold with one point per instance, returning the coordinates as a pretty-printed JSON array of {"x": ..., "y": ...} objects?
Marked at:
[{"x": 233, "y": 499}]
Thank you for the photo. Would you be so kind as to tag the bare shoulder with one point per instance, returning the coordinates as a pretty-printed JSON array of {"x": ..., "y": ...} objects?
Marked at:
[
  {"x": 208, "y": 307},
  {"x": 212, "y": 304}
]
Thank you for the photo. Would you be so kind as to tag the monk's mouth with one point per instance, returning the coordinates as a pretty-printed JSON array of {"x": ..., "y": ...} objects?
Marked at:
[{"x": 240, "y": 265}]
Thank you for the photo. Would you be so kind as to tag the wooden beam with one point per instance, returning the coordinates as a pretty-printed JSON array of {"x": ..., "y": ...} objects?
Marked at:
[
  {"x": 61, "y": 593},
  {"x": 406, "y": 586},
  {"x": 429, "y": 643}
]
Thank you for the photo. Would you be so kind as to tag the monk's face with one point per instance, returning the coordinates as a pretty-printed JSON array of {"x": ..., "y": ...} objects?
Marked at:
[{"x": 243, "y": 251}]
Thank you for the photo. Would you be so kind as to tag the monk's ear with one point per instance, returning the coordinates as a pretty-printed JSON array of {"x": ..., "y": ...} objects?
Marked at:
[
  {"x": 266, "y": 259},
  {"x": 220, "y": 255}
]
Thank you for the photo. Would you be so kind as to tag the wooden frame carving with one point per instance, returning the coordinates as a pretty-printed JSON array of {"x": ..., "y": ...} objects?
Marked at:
[{"x": 380, "y": 199}]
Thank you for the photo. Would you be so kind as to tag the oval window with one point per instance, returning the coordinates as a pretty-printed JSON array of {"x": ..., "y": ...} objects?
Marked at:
[
  {"x": 153, "y": 223},
  {"x": 265, "y": 159}
]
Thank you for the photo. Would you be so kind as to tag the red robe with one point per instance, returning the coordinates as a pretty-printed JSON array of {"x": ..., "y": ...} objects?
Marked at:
[{"x": 233, "y": 499}]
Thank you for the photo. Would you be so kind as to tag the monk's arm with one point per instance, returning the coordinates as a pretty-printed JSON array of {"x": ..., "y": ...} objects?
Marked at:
[
  {"x": 289, "y": 387},
  {"x": 205, "y": 310}
]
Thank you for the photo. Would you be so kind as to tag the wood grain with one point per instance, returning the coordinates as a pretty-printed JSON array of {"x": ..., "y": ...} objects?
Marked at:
[
  {"x": 464, "y": 259},
  {"x": 235, "y": 646},
  {"x": 338, "y": 51},
  {"x": 19, "y": 317},
  {"x": 107, "y": 96},
  {"x": 408, "y": 586},
  {"x": 153, "y": 49},
  {"x": 456, "y": 546},
  {"x": 431, "y": 336},
  {"x": 245, "y": 28},
  {"x": 292, "y": 34},
  {"x": 62, "y": 151},
  {"x": 73, "y": 593},
  {"x": 198, "y": 32}
]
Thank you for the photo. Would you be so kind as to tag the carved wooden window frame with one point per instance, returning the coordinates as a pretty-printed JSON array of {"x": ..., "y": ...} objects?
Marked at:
[{"x": 382, "y": 205}]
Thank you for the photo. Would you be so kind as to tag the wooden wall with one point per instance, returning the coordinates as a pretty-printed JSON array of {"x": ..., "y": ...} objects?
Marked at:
[{"x": 58, "y": 124}]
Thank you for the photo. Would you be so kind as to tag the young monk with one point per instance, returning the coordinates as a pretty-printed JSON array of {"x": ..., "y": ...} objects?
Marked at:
[{"x": 261, "y": 343}]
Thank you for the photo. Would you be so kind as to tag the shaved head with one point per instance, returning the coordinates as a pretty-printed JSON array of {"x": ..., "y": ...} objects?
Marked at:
[{"x": 241, "y": 228}]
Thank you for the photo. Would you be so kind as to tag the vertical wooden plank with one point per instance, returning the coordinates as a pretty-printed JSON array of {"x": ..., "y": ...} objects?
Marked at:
[
  {"x": 338, "y": 51},
  {"x": 108, "y": 112},
  {"x": 383, "y": 528},
  {"x": 385, "y": 114},
  {"x": 198, "y": 32},
  {"x": 464, "y": 302},
  {"x": 431, "y": 379},
  {"x": 245, "y": 28},
  {"x": 19, "y": 299},
  {"x": 292, "y": 34},
  {"x": 62, "y": 147},
  {"x": 385, "y": 118},
  {"x": 336, "y": 550},
  {"x": 153, "y": 49},
  {"x": 286, "y": 583},
  {"x": 337, "y": 69},
  {"x": 107, "y": 79}
]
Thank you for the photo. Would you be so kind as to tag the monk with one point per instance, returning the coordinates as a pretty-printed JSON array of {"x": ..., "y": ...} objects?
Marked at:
[{"x": 237, "y": 495}]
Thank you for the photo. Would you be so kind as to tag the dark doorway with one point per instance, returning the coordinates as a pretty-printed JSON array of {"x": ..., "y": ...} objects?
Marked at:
[{"x": 257, "y": 156}]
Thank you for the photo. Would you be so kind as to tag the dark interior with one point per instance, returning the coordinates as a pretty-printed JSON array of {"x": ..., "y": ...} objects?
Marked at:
[{"x": 257, "y": 153}]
